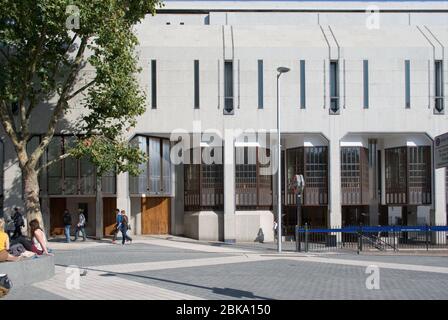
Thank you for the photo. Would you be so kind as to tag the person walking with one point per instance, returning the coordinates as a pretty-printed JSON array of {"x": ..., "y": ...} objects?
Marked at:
[
  {"x": 124, "y": 226},
  {"x": 118, "y": 218},
  {"x": 67, "y": 224},
  {"x": 19, "y": 223},
  {"x": 81, "y": 226}
]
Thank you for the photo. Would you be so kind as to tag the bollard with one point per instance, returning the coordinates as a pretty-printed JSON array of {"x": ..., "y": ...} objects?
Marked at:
[
  {"x": 297, "y": 239},
  {"x": 360, "y": 239},
  {"x": 306, "y": 237}
]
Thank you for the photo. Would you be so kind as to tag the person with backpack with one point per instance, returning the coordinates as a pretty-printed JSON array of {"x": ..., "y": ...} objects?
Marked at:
[
  {"x": 124, "y": 226},
  {"x": 19, "y": 223},
  {"x": 81, "y": 226},
  {"x": 67, "y": 224}
]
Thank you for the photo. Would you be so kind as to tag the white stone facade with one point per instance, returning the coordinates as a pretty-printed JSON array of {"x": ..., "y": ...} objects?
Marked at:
[{"x": 283, "y": 34}]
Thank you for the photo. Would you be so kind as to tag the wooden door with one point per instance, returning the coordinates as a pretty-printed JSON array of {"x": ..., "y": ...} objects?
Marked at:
[
  {"x": 155, "y": 215},
  {"x": 109, "y": 218},
  {"x": 57, "y": 207}
]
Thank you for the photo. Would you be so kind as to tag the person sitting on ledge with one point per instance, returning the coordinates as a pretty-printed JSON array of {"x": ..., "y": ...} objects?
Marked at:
[
  {"x": 4, "y": 245},
  {"x": 39, "y": 239}
]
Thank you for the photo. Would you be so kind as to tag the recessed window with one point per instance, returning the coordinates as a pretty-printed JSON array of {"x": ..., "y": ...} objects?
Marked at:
[
  {"x": 196, "y": 84},
  {"x": 439, "y": 99},
  {"x": 260, "y": 84},
  {"x": 365, "y": 72},
  {"x": 407, "y": 81},
  {"x": 302, "y": 85},
  {"x": 155, "y": 174},
  {"x": 334, "y": 87},
  {"x": 153, "y": 84},
  {"x": 228, "y": 87}
]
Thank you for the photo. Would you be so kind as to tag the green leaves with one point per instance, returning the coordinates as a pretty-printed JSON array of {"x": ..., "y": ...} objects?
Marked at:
[
  {"x": 39, "y": 64},
  {"x": 109, "y": 155}
]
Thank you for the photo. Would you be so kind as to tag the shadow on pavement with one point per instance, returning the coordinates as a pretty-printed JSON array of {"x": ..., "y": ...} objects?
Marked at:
[{"x": 230, "y": 292}]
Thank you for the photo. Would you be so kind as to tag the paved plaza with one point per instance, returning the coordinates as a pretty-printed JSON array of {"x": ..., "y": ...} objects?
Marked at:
[{"x": 181, "y": 269}]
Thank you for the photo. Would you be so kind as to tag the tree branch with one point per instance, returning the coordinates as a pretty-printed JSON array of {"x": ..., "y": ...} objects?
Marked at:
[
  {"x": 24, "y": 120},
  {"x": 8, "y": 123},
  {"x": 49, "y": 163},
  {"x": 18, "y": 142},
  {"x": 61, "y": 104},
  {"x": 81, "y": 90}
]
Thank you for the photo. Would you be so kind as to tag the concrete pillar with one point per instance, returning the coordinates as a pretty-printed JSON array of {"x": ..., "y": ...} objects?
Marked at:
[
  {"x": 438, "y": 216},
  {"x": 45, "y": 209},
  {"x": 334, "y": 210},
  {"x": 229, "y": 190},
  {"x": 177, "y": 208},
  {"x": 373, "y": 183},
  {"x": 136, "y": 216},
  {"x": 99, "y": 210},
  {"x": 123, "y": 198}
]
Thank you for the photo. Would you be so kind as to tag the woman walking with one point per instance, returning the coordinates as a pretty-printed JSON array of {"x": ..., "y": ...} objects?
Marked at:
[{"x": 124, "y": 226}]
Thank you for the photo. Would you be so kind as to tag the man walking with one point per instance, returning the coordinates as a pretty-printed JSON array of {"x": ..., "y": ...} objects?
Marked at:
[
  {"x": 117, "y": 225},
  {"x": 124, "y": 226},
  {"x": 67, "y": 224},
  {"x": 81, "y": 225}
]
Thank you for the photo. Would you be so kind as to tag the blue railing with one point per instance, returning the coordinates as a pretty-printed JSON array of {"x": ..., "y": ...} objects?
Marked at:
[
  {"x": 381, "y": 238},
  {"x": 377, "y": 229}
]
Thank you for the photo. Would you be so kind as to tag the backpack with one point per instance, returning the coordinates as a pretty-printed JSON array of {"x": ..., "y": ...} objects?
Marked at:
[
  {"x": 126, "y": 222},
  {"x": 5, "y": 285}
]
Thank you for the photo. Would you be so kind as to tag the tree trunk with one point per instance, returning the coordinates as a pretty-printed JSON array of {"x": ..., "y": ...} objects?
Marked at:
[{"x": 31, "y": 195}]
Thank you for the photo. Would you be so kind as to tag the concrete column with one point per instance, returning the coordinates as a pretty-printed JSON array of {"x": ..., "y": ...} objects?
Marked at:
[
  {"x": 229, "y": 191},
  {"x": 438, "y": 215},
  {"x": 99, "y": 210},
  {"x": 123, "y": 199},
  {"x": 177, "y": 208},
  {"x": 136, "y": 210},
  {"x": 334, "y": 210},
  {"x": 45, "y": 209}
]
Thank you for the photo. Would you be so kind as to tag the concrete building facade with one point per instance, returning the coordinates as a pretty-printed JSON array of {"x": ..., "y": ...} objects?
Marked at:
[{"x": 360, "y": 107}]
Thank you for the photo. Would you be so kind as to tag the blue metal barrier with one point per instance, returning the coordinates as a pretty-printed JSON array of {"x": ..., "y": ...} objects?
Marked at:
[{"x": 372, "y": 237}]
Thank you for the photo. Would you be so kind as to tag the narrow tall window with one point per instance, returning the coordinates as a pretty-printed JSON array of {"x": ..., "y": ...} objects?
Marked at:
[
  {"x": 439, "y": 103},
  {"x": 196, "y": 84},
  {"x": 153, "y": 84},
  {"x": 407, "y": 81},
  {"x": 334, "y": 87},
  {"x": 260, "y": 84},
  {"x": 302, "y": 85},
  {"x": 228, "y": 87},
  {"x": 365, "y": 81}
]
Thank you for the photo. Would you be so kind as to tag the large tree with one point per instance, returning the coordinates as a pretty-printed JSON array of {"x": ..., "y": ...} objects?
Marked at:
[{"x": 43, "y": 52}]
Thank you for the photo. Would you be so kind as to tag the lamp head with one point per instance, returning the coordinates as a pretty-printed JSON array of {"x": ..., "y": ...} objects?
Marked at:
[{"x": 281, "y": 70}]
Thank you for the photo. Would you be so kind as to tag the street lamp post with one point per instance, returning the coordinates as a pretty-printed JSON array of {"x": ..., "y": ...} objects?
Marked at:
[{"x": 280, "y": 71}]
